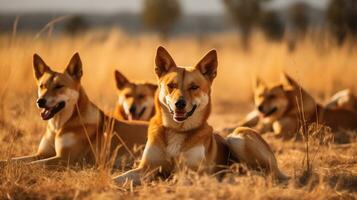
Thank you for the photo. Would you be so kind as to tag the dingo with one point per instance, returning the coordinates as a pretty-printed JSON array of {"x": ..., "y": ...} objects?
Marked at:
[
  {"x": 343, "y": 99},
  {"x": 76, "y": 128},
  {"x": 282, "y": 105},
  {"x": 135, "y": 100},
  {"x": 179, "y": 128}
]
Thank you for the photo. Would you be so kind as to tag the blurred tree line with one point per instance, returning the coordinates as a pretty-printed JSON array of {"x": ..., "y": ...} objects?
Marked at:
[
  {"x": 342, "y": 18},
  {"x": 75, "y": 25},
  {"x": 249, "y": 15},
  {"x": 161, "y": 15}
]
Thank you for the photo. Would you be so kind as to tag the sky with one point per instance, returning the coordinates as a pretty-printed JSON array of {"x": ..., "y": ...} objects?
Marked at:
[{"x": 115, "y": 6}]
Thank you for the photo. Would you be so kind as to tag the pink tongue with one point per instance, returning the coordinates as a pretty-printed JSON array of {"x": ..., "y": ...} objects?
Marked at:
[
  {"x": 45, "y": 113},
  {"x": 180, "y": 114}
]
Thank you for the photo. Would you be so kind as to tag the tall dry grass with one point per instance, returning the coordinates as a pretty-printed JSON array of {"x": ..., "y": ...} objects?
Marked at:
[
  {"x": 320, "y": 66},
  {"x": 102, "y": 52}
]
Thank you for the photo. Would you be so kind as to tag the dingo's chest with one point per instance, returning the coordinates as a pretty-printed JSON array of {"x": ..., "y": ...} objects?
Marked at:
[
  {"x": 175, "y": 143},
  {"x": 175, "y": 148},
  {"x": 66, "y": 140}
]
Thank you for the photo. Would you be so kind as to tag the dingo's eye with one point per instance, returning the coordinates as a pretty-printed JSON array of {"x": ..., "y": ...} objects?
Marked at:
[
  {"x": 57, "y": 87},
  {"x": 42, "y": 86},
  {"x": 172, "y": 85},
  {"x": 194, "y": 87},
  {"x": 127, "y": 95},
  {"x": 141, "y": 96}
]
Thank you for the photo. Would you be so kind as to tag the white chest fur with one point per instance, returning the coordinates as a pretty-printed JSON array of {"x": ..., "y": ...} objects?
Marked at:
[
  {"x": 174, "y": 143},
  {"x": 65, "y": 141},
  {"x": 193, "y": 156}
]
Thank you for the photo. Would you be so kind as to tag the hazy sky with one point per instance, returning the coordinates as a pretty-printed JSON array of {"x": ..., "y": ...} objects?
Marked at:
[{"x": 113, "y": 6}]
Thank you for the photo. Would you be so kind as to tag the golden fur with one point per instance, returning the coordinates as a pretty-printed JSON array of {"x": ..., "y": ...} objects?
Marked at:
[
  {"x": 343, "y": 99},
  {"x": 286, "y": 106},
  {"x": 179, "y": 129},
  {"x": 77, "y": 129},
  {"x": 135, "y": 100}
]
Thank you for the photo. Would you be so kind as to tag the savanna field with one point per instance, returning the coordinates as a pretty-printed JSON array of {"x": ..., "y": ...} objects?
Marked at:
[{"x": 319, "y": 65}]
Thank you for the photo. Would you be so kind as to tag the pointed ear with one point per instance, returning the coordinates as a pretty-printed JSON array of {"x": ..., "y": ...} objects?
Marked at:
[
  {"x": 288, "y": 83},
  {"x": 39, "y": 66},
  {"x": 74, "y": 67},
  {"x": 258, "y": 83},
  {"x": 120, "y": 80},
  {"x": 208, "y": 65},
  {"x": 163, "y": 61},
  {"x": 152, "y": 86}
]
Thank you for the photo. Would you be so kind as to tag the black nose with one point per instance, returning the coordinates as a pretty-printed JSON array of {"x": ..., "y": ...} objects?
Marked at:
[
  {"x": 180, "y": 104},
  {"x": 260, "y": 108},
  {"x": 41, "y": 103},
  {"x": 132, "y": 109}
]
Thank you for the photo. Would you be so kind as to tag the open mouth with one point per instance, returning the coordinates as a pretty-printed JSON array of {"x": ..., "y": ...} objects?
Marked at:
[
  {"x": 181, "y": 115},
  {"x": 134, "y": 116},
  {"x": 47, "y": 113},
  {"x": 270, "y": 112}
]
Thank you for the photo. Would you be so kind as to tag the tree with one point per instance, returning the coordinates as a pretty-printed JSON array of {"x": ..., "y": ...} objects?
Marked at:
[
  {"x": 298, "y": 16},
  {"x": 161, "y": 15},
  {"x": 245, "y": 15},
  {"x": 341, "y": 16},
  {"x": 75, "y": 25},
  {"x": 299, "y": 24},
  {"x": 271, "y": 25}
]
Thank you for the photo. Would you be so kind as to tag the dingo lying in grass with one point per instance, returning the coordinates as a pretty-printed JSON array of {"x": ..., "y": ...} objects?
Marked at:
[
  {"x": 284, "y": 105},
  {"x": 179, "y": 128},
  {"x": 77, "y": 130}
]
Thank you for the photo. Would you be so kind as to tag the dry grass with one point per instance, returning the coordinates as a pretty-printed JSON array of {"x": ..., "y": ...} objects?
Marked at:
[{"x": 321, "y": 67}]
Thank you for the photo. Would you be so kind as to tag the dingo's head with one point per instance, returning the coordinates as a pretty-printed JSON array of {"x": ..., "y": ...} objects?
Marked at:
[
  {"x": 184, "y": 93},
  {"x": 272, "y": 102},
  {"x": 288, "y": 96},
  {"x": 58, "y": 93},
  {"x": 136, "y": 100}
]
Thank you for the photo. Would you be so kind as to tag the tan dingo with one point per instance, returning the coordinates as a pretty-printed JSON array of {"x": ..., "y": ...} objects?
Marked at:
[
  {"x": 283, "y": 104},
  {"x": 76, "y": 129},
  {"x": 343, "y": 99},
  {"x": 135, "y": 100},
  {"x": 179, "y": 128}
]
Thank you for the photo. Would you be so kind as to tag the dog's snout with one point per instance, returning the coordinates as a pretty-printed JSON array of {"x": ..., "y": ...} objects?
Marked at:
[
  {"x": 132, "y": 109},
  {"x": 41, "y": 102},
  {"x": 261, "y": 108},
  {"x": 180, "y": 104}
]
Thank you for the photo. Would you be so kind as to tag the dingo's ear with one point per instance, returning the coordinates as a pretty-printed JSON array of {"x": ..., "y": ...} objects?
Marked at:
[
  {"x": 163, "y": 61},
  {"x": 258, "y": 83},
  {"x": 39, "y": 66},
  {"x": 208, "y": 65},
  {"x": 288, "y": 83},
  {"x": 74, "y": 67},
  {"x": 120, "y": 80}
]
